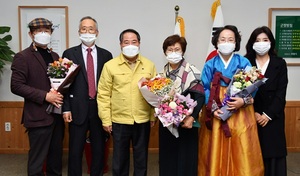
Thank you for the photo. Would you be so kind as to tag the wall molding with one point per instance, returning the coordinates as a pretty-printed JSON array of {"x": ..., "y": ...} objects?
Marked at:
[{"x": 16, "y": 141}]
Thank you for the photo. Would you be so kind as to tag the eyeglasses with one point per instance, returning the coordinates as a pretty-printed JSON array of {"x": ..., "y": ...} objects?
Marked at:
[
  {"x": 228, "y": 40},
  {"x": 176, "y": 50},
  {"x": 90, "y": 30}
]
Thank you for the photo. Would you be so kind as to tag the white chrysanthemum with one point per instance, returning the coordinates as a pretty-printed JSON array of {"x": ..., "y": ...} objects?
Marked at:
[
  {"x": 237, "y": 85},
  {"x": 172, "y": 105},
  {"x": 248, "y": 83}
]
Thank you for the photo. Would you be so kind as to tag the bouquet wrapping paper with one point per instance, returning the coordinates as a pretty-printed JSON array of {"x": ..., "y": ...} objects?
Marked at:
[
  {"x": 61, "y": 74},
  {"x": 244, "y": 82},
  {"x": 170, "y": 107}
]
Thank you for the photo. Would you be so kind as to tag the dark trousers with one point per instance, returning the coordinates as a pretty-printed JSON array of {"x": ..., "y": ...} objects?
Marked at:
[
  {"x": 123, "y": 134},
  {"x": 77, "y": 139},
  {"x": 46, "y": 144}
]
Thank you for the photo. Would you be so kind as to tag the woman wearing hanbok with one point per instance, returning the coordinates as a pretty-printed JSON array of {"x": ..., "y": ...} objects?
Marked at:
[
  {"x": 231, "y": 147},
  {"x": 179, "y": 156},
  {"x": 269, "y": 102}
]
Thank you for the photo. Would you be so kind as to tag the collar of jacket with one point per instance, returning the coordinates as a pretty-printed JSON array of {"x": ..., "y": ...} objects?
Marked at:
[{"x": 122, "y": 59}]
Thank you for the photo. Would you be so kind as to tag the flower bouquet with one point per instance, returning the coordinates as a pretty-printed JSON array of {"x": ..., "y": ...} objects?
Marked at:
[
  {"x": 153, "y": 90},
  {"x": 170, "y": 107},
  {"x": 244, "y": 82},
  {"x": 173, "y": 109},
  {"x": 61, "y": 74}
]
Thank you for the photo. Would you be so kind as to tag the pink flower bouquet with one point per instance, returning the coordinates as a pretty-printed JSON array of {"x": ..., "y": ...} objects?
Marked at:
[
  {"x": 173, "y": 109},
  {"x": 170, "y": 107}
]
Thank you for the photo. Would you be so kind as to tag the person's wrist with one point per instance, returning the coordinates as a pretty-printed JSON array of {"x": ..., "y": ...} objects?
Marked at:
[
  {"x": 247, "y": 101},
  {"x": 191, "y": 118}
]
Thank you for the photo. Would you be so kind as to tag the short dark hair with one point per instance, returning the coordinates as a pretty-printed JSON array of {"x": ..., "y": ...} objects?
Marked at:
[
  {"x": 237, "y": 36},
  {"x": 131, "y": 31},
  {"x": 250, "y": 53},
  {"x": 171, "y": 40}
]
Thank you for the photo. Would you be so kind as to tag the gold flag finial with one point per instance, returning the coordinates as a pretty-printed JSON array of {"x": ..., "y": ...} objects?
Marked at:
[{"x": 214, "y": 8}]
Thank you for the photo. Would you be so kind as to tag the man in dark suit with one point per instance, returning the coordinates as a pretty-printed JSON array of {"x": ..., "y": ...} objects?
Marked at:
[
  {"x": 80, "y": 105},
  {"x": 29, "y": 80}
]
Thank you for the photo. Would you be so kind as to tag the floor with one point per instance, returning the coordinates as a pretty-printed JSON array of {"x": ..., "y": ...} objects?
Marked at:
[{"x": 15, "y": 165}]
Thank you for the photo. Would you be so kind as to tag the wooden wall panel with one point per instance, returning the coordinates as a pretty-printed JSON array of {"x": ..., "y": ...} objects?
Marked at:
[
  {"x": 292, "y": 125},
  {"x": 16, "y": 141}
]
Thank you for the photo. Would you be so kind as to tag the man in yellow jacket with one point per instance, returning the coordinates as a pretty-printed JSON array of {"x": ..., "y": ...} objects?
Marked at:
[{"x": 123, "y": 110}]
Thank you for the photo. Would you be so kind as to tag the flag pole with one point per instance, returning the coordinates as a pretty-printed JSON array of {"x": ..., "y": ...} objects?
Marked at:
[{"x": 176, "y": 8}]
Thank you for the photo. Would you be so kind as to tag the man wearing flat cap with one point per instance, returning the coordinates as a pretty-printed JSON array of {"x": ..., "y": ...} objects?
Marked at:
[{"x": 29, "y": 80}]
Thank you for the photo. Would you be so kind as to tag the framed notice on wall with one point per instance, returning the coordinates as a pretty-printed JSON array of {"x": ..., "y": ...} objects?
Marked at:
[
  {"x": 285, "y": 25},
  {"x": 58, "y": 15}
]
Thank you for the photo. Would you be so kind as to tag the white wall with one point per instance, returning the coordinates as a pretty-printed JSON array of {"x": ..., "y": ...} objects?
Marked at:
[{"x": 154, "y": 20}]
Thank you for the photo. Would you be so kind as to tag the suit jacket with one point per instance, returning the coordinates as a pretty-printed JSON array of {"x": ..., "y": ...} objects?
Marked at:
[
  {"x": 29, "y": 80},
  {"x": 270, "y": 99},
  {"x": 76, "y": 100}
]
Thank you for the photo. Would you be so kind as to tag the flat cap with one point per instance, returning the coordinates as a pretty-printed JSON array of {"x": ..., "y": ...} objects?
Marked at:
[{"x": 40, "y": 22}]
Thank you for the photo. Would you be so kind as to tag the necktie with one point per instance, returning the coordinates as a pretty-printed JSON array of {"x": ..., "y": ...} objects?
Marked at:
[{"x": 90, "y": 74}]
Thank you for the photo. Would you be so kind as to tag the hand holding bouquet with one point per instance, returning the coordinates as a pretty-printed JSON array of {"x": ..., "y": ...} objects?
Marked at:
[
  {"x": 61, "y": 74},
  {"x": 170, "y": 107},
  {"x": 244, "y": 82}
]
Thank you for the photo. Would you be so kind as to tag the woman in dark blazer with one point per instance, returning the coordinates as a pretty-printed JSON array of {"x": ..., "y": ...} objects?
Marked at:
[{"x": 269, "y": 102}]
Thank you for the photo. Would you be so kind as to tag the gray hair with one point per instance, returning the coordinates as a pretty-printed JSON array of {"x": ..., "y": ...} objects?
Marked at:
[{"x": 90, "y": 18}]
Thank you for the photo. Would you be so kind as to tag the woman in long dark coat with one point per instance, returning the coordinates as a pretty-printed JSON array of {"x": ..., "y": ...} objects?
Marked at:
[{"x": 269, "y": 102}]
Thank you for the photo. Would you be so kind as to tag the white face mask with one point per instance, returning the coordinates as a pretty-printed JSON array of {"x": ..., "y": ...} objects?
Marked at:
[
  {"x": 42, "y": 38},
  {"x": 87, "y": 38},
  {"x": 130, "y": 51},
  {"x": 261, "y": 48},
  {"x": 174, "y": 58},
  {"x": 226, "y": 48}
]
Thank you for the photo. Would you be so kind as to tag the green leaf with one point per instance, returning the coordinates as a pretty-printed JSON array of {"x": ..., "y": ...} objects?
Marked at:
[
  {"x": 7, "y": 38},
  {"x": 4, "y": 29},
  {"x": 3, "y": 42},
  {"x": 10, "y": 52},
  {"x": 5, "y": 56},
  {"x": 1, "y": 65},
  {"x": 7, "y": 51},
  {"x": 4, "y": 48},
  {"x": 1, "y": 62}
]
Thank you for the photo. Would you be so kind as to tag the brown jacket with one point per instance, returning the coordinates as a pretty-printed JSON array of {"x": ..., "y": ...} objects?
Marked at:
[{"x": 29, "y": 80}]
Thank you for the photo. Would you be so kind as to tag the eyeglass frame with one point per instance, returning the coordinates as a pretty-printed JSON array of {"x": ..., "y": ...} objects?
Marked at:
[
  {"x": 88, "y": 30},
  {"x": 176, "y": 50}
]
